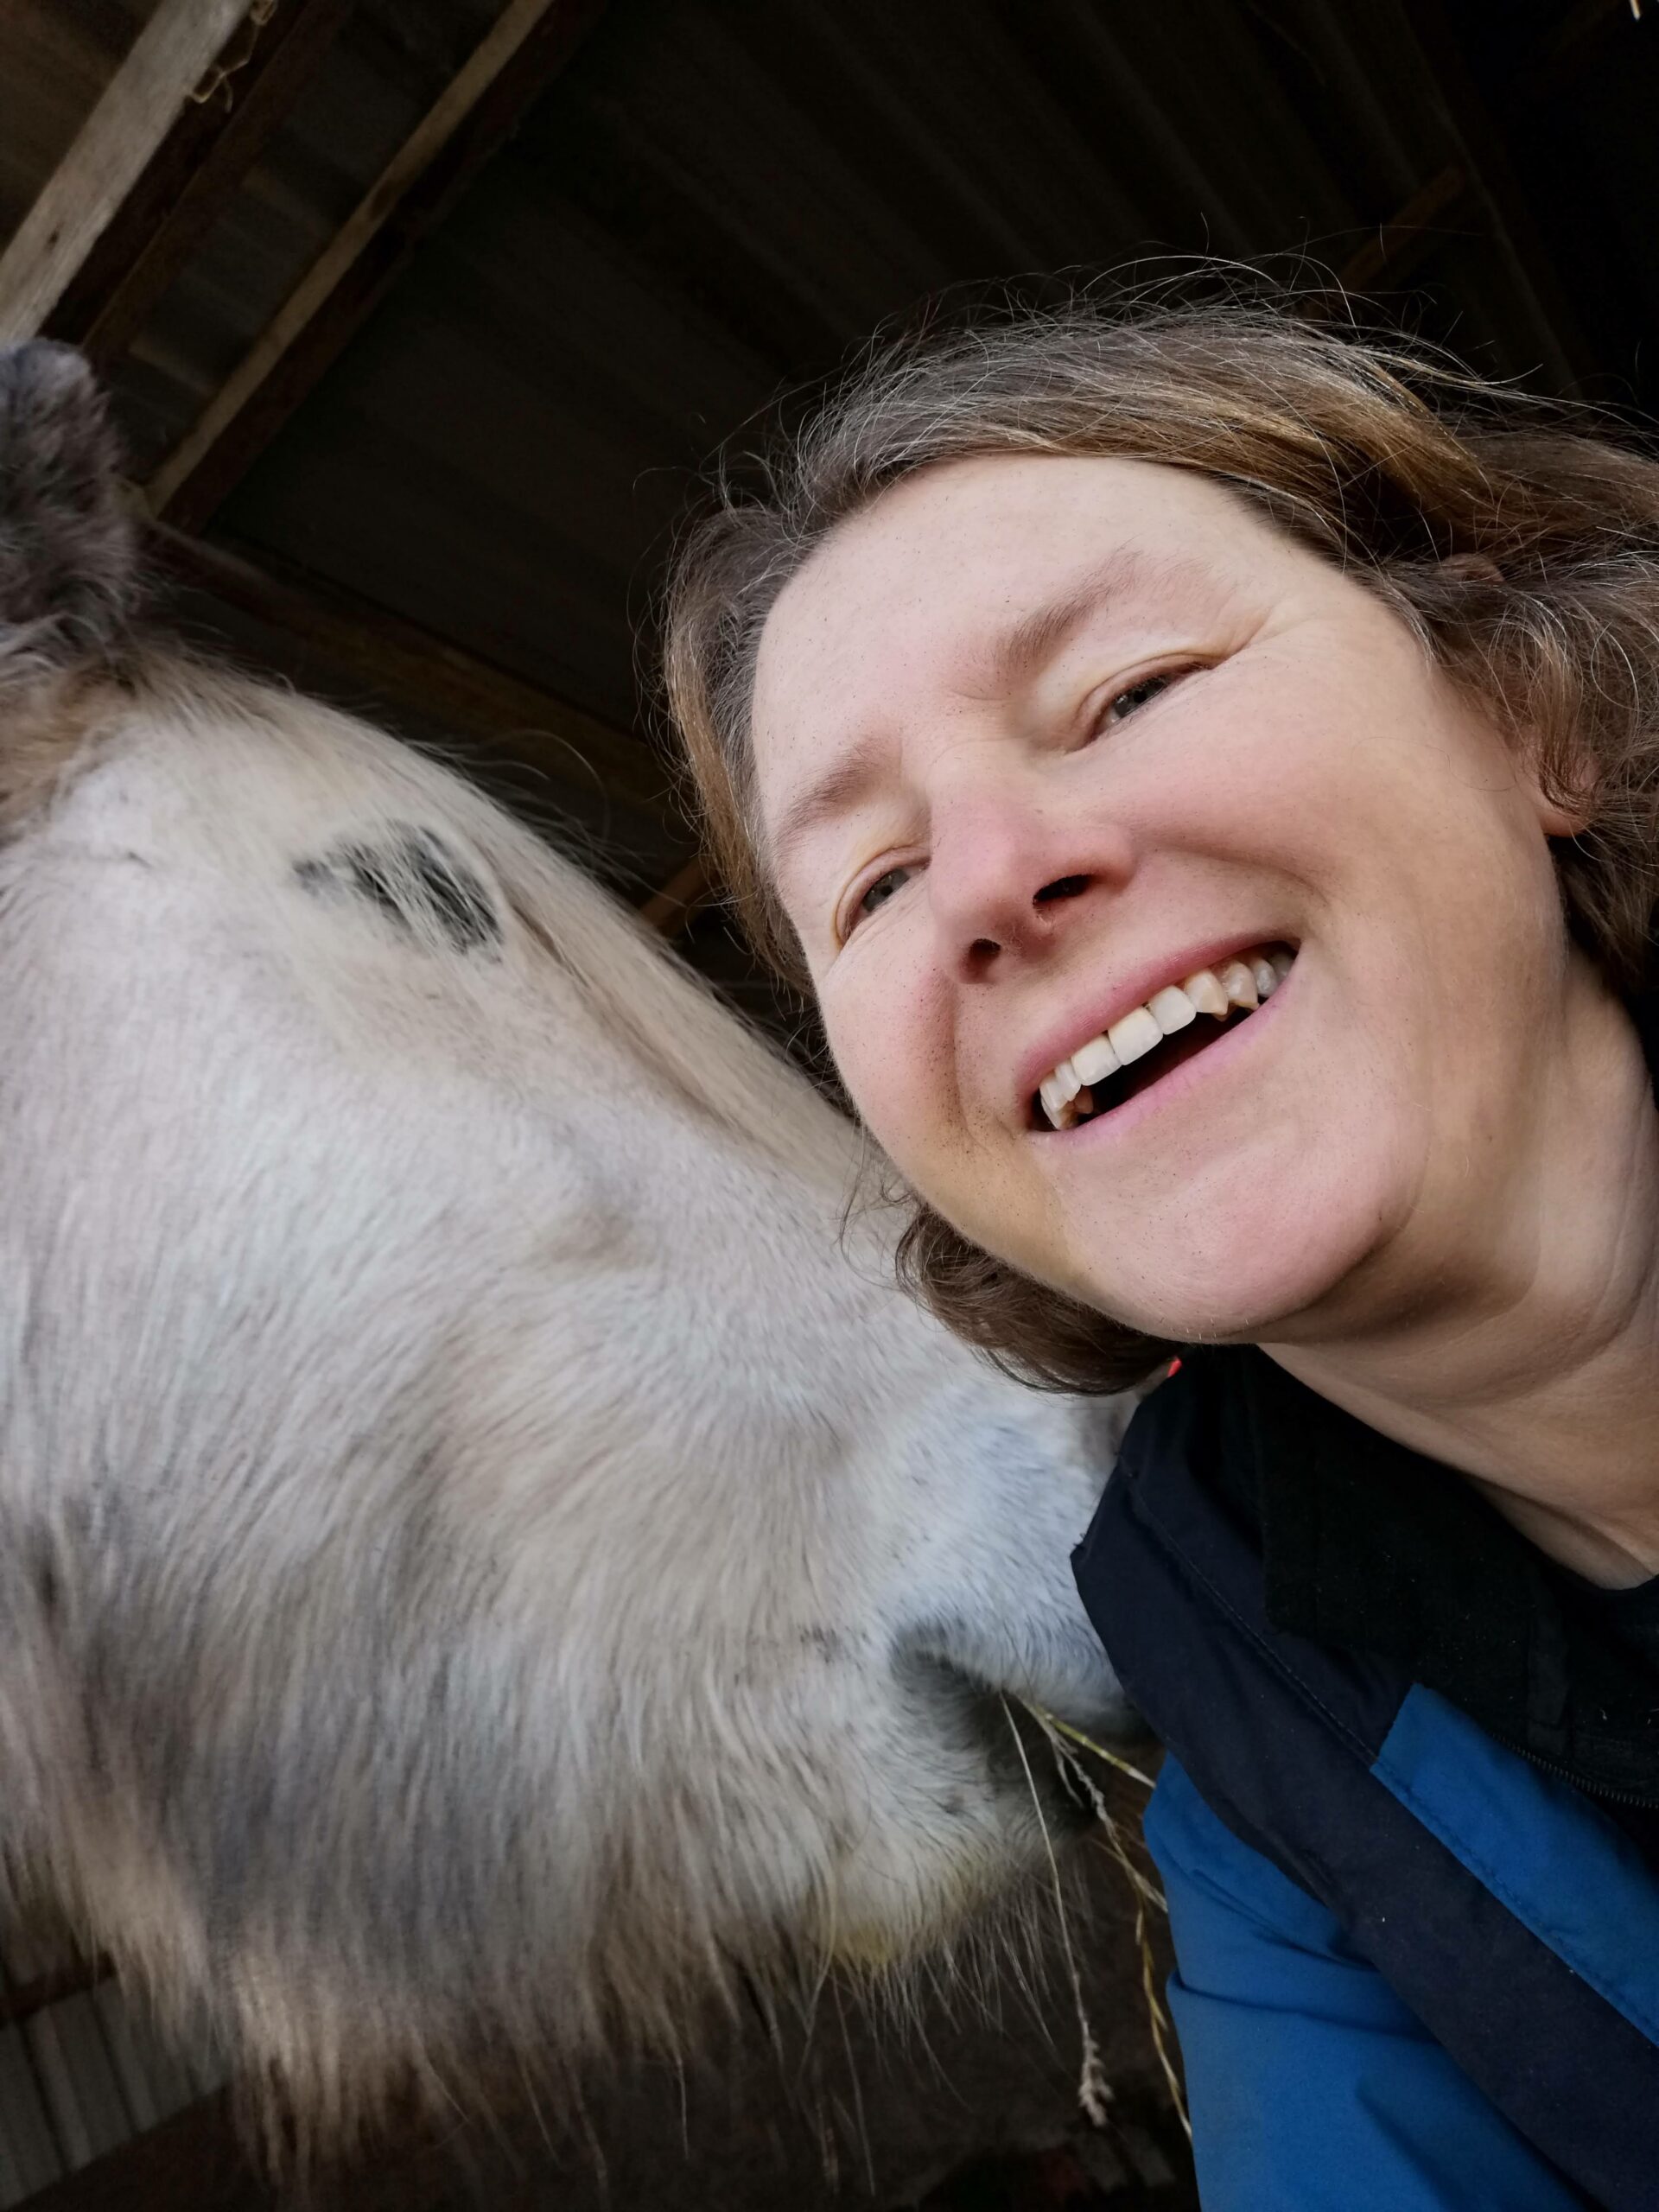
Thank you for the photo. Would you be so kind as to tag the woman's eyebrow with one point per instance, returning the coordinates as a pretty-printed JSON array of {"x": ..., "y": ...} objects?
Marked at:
[
  {"x": 840, "y": 787},
  {"x": 1009, "y": 654},
  {"x": 1033, "y": 637}
]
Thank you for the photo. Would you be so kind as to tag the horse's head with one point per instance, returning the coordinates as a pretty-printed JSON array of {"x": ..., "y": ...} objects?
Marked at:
[{"x": 482, "y": 1558}]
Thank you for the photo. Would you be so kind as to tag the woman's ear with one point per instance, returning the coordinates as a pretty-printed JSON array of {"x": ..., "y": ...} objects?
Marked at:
[
  {"x": 1563, "y": 793},
  {"x": 68, "y": 566},
  {"x": 1558, "y": 821}
]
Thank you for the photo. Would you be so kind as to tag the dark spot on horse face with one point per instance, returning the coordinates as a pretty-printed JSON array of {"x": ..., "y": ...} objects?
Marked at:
[{"x": 413, "y": 878}]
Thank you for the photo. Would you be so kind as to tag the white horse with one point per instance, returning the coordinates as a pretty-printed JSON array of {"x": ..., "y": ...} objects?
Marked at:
[{"x": 483, "y": 1562}]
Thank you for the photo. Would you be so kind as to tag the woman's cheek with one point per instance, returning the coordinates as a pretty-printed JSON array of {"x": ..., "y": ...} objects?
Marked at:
[{"x": 893, "y": 1055}]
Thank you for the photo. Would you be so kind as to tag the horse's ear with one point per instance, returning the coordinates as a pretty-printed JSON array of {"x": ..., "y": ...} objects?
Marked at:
[{"x": 68, "y": 559}]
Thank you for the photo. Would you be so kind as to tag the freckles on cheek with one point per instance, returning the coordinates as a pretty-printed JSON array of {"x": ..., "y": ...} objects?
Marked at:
[
  {"x": 911, "y": 1098},
  {"x": 893, "y": 1059}
]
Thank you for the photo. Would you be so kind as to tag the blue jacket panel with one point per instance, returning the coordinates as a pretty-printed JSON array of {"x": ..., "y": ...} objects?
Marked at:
[
  {"x": 1571, "y": 1878},
  {"x": 1402, "y": 1948},
  {"x": 1311, "y": 2085}
]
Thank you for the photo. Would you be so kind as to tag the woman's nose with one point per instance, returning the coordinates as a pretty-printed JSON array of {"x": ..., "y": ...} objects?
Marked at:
[{"x": 1008, "y": 876}]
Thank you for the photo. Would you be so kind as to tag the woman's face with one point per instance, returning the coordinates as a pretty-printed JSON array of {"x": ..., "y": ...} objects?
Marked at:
[{"x": 1038, "y": 738}]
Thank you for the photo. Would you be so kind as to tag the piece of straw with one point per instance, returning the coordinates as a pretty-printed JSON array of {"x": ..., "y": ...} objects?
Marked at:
[{"x": 1061, "y": 1737}]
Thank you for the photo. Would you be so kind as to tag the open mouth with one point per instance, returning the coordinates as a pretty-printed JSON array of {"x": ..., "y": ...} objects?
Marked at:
[{"x": 1172, "y": 1026}]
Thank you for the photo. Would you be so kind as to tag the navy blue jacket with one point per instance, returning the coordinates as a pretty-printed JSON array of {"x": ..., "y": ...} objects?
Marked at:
[{"x": 1415, "y": 1969}]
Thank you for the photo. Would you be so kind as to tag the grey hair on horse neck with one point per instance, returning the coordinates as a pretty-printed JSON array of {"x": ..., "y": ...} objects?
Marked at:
[{"x": 482, "y": 1563}]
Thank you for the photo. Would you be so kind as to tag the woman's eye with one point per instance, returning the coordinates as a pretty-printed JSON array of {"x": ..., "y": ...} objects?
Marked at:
[
  {"x": 1139, "y": 695},
  {"x": 878, "y": 891}
]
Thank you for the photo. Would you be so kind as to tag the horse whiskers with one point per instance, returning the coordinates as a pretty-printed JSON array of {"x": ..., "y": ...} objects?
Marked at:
[
  {"x": 1094, "y": 2090},
  {"x": 858, "y": 2094}
]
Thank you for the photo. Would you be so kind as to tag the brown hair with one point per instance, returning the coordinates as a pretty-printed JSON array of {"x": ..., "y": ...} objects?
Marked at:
[{"x": 1522, "y": 550}]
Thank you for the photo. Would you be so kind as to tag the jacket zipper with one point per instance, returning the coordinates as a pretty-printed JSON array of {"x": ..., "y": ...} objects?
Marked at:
[{"x": 1565, "y": 1774}]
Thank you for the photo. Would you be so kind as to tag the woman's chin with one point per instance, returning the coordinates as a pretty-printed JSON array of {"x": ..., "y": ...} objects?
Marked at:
[{"x": 1234, "y": 1272}]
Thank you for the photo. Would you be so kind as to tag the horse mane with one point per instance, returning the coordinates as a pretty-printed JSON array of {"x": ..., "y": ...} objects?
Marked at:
[{"x": 632, "y": 983}]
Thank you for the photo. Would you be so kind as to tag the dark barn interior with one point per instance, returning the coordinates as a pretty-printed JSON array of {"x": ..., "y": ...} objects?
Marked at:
[{"x": 421, "y": 317}]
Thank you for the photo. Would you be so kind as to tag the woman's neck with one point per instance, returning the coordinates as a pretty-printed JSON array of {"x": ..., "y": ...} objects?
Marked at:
[{"x": 1537, "y": 1376}]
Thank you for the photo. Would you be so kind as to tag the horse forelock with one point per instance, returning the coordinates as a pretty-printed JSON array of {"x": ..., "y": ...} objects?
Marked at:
[
  {"x": 229, "y": 741},
  {"x": 634, "y": 988}
]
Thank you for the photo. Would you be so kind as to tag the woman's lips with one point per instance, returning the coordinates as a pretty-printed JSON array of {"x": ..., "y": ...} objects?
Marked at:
[
  {"x": 1100, "y": 1076},
  {"x": 1168, "y": 1091}
]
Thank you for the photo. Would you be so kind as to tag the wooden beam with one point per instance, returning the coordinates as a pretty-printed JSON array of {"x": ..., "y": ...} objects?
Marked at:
[
  {"x": 196, "y": 2159},
  {"x": 529, "y": 43},
  {"x": 18, "y": 2001},
  {"x": 1401, "y": 242},
  {"x": 409, "y": 665},
  {"x": 687, "y": 892},
  {"x": 178, "y": 48},
  {"x": 192, "y": 175}
]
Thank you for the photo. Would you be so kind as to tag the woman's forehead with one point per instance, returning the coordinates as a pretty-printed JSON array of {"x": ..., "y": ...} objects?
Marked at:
[
  {"x": 961, "y": 577},
  {"x": 953, "y": 545}
]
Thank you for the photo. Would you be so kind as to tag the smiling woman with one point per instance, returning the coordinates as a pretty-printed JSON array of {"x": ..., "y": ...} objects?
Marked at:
[{"x": 1206, "y": 768}]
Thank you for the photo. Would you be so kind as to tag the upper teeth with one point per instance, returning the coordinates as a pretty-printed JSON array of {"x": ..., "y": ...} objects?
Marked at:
[{"x": 1244, "y": 982}]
